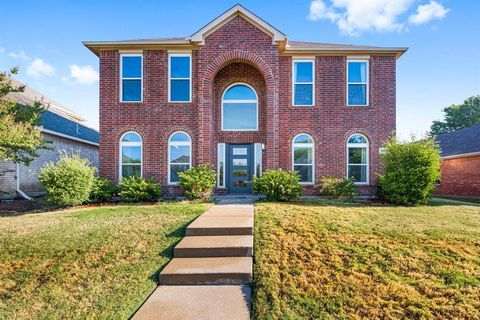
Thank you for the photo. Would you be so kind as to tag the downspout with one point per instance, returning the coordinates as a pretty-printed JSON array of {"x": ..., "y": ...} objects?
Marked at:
[{"x": 20, "y": 192}]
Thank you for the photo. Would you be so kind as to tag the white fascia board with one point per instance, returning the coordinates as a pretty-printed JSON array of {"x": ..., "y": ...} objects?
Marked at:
[
  {"x": 68, "y": 137},
  {"x": 462, "y": 155}
]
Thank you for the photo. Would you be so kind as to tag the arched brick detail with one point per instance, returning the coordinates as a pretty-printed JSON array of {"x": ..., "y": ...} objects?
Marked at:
[{"x": 206, "y": 108}]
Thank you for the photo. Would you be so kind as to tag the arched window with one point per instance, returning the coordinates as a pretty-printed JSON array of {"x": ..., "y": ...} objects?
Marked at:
[
  {"x": 179, "y": 155},
  {"x": 303, "y": 157},
  {"x": 130, "y": 155},
  {"x": 357, "y": 158},
  {"x": 239, "y": 108}
]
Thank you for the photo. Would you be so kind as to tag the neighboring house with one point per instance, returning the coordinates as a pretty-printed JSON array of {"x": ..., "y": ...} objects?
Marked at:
[
  {"x": 460, "y": 171},
  {"x": 239, "y": 95},
  {"x": 63, "y": 128}
]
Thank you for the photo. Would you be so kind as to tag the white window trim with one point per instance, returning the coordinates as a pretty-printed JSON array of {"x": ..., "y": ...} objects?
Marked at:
[
  {"x": 312, "y": 60},
  {"x": 122, "y": 78},
  {"x": 304, "y": 145},
  {"x": 367, "y": 150},
  {"x": 178, "y": 143},
  {"x": 223, "y": 186},
  {"x": 170, "y": 55},
  {"x": 240, "y": 101},
  {"x": 367, "y": 83},
  {"x": 255, "y": 160},
  {"x": 129, "y": 144}
]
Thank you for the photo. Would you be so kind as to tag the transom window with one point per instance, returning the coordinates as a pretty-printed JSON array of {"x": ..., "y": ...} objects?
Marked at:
[
  {"x": 130, "y": 155},
  {"x": 303, "y": 157},
  {"x": 179, "y": 155},
  {"x": 239, "y": 108},
  {"x": 357, "y": 71},
  {"x": 303, "y": 83},
  {"x": 180, "y": 78},
  {"x": 357, "y": 159},
  {"x": 131, "y": 77}
]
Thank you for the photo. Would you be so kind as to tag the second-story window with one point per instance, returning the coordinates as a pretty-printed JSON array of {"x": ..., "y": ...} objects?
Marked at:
[
  {"x": 131, "y": 73},
  {"x": 357, "y": 86},
  {"x": 180, "y": 78},
  {"x": 303, "y": 82}
]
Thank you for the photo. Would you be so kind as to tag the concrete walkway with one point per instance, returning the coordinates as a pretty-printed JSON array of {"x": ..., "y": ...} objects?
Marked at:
[{"x": 210, "y": 274}]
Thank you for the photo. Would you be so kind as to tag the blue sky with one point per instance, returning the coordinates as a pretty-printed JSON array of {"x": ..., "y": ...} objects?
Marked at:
[{"x": 442, "y": 66}]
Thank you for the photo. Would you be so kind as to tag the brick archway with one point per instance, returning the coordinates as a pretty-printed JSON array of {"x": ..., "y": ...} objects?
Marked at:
[{"x": 205, "y": 111}]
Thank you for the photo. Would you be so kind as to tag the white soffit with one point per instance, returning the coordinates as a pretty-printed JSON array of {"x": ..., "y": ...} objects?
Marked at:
[{"x": 228, "y": 15}]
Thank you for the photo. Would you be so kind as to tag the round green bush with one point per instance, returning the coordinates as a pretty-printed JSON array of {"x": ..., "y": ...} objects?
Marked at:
[
  {"x": 103, "y": 189},
  {"x": 411, "y": 171},
  {"x": 135, "y": 189},
  {"x": 198, "y": 182},
  {"x": 69, "y": 181},
  {"x": 336, "y": 187},
  {"x": 278, "y": 185}
]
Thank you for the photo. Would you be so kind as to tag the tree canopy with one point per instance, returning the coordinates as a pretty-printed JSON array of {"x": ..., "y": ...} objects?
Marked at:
[
  {"x": 458, "y": 117},
  {"x": 19, "y": 136}
]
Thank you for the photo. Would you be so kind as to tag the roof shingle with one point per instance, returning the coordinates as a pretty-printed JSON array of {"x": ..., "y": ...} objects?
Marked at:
[{"x": 460, "y": 142}]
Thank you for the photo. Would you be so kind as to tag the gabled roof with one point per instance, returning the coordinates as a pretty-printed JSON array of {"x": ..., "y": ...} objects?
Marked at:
[
  {"x": 58, "y": 119},
  {"x": 461, "y": 142},
  {"x": 237, "y": 10}
]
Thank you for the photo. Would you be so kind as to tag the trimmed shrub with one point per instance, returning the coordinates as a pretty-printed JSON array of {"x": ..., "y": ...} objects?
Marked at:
[
  {"x": 411, "y": 171},
  {"x": 69, "y": 181},
  {"x": 198, "y": 181},
  {"x": 278, "y": 185},
  {"x": 135, "y": 189},
  {"x": 103, "y": 189},
  {"x": 336, "y": 187}
]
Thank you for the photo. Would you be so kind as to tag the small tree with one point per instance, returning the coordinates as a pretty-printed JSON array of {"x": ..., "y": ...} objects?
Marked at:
[
  {"x": 69, "y": 181},
  {"x": 198, "y": 182},
  {"x": 411, "y": 171},
  {"x": 19, "y": 137}
]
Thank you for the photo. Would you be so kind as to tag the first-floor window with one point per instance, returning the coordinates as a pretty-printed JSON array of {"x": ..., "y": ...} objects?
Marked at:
[
  {"x": 179, "y": 155},
  {"x": 221, "y": 165},
  {"x": 303, "y": 157},
  {"x": 357, "y": 158},
  {"x": 130, "y": 155}
]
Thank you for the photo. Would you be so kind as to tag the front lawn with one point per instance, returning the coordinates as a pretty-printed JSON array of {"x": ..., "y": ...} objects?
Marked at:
[
  {"x": 319, "y": 260},
  {"x": 87, "y": 263}
]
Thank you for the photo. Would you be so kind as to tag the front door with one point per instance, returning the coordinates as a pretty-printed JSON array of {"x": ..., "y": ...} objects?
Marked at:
[{"x": 239, "y": 168}]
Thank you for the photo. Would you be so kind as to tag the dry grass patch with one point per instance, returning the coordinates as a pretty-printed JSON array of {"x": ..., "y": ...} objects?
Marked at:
[
  {"x": 92, "y": 263},
  {"x": 318, "y": 260}
]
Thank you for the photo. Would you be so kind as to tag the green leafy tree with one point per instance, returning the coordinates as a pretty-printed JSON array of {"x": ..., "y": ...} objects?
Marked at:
[
  {"x": 19, "y": 136},
  {"x": 458, "y": 117}
]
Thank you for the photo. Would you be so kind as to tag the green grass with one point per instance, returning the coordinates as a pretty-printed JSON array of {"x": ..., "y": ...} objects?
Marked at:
[
  {"x": 325, "y": 260},
  {"x": 461, "y": 199},
  {"x": 90, "y": 263}
]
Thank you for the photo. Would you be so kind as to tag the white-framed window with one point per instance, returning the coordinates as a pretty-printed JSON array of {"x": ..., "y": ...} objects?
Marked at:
[
  {"x": 131, "y": 155},
  {"x": 257, "y": 155},
  {"x": 357, "y": 158},
  {"x": 303, "y": 157},
  {"x": 180, "y": 77},
  {"x": 221, "y": 165},
  {"x": 303, "y": 82},
  {"x": 131, "y": 75},
  {"x": 357, "y": 82},
  {"x": 179, "y": 155},
  {"x": 239, "y": 108}
]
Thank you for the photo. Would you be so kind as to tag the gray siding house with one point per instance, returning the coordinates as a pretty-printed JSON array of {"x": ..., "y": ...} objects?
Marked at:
[{"x": 65, "y": 130}]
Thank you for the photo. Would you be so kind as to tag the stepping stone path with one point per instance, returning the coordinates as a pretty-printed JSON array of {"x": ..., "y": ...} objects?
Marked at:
[{"x": 210, "y": 274}]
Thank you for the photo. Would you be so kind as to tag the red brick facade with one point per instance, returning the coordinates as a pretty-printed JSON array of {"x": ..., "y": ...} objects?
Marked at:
[
  {"x": 240, "y": 52},
  {"x": 460, "y": 177}
]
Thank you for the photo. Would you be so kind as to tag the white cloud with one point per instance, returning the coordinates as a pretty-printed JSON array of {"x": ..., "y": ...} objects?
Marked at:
[
  {"x": 428, "y": 12},
  {"x": 83, "y": 74},
  {"x": 357, "y": 16},
  {"x": 39, "y": 68},
  {"x": 21, "y": 55}
]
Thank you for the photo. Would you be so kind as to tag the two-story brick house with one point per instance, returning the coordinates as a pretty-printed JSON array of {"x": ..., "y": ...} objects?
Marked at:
[{"x": 241, "y": 96}]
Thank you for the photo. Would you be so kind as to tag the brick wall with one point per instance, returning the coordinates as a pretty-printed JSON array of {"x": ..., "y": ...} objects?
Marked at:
[
  {"x": 460, "y": 176},
  {"x": 240, "y": 52}
]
